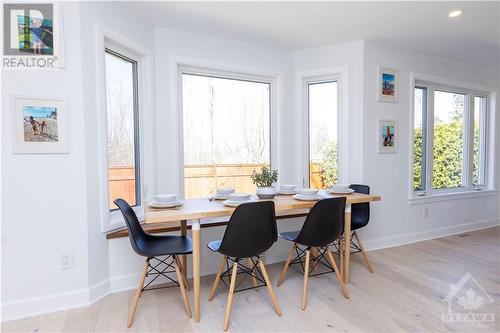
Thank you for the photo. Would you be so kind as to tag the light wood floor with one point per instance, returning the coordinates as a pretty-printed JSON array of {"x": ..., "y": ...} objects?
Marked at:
[{"x": 405, "y": 294}]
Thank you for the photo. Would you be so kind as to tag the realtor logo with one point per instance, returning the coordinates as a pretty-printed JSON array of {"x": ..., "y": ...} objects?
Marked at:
[
  {"x": 468, "y": 305},
  {"x": 30, "y": 37}
]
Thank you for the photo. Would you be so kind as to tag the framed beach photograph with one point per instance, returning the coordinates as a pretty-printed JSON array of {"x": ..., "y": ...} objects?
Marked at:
[
  {"x": 388, "y": 85},
  {"x": 40, "y": 126},
  {"x": 387, "y": 136}
]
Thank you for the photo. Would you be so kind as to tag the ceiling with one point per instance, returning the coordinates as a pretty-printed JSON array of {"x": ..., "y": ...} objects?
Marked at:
[{"x": 423, "y": 26}]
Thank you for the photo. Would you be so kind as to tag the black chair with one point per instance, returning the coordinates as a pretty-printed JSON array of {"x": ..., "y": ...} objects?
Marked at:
[
  {"x": 360, "y": 216},
  {"x": 250, "y": 232},
  {"x": 323, "y": 225},
  {"x": 153, "y": 247}
]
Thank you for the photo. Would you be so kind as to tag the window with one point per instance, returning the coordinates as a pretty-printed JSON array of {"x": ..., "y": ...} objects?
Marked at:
[
  {"x": 322, "y": 106},
  {"x": 122, "y": 125},
  {"x": 419, "y": 138},
  {"x": 226, "y": 123},
  {"x": 478, "y": 171},
  {"x": 449, "y": 137}
]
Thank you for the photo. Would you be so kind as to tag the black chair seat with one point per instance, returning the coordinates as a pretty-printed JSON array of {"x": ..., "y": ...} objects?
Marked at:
[
  {"x": 155, "y": 246},
  {"x": 289, "y": 235},
  {"x": 215, "y": 245}
]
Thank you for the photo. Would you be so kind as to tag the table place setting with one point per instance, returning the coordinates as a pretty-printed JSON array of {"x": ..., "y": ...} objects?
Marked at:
[
  {"x": 287, "y": 190},
  {"x": 308, "y": 194},
  {"x": 340, "y": 189},
  {"x": 165, "y": 201},
  {"x": 222, "y": 193},
  {"x": 236, "y": 199}
]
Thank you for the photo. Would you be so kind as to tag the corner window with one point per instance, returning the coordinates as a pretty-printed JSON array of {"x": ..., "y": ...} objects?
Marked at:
[
  {"x": 449, "y": 139},
  {"x": 123, "y": 128}
]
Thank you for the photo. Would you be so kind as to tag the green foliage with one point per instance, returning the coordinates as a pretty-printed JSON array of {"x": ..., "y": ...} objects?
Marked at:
[
  {"x": 265, "y": 178},
  {"x": 329, "y": 168},
  {"x": 448, "y": 155}
]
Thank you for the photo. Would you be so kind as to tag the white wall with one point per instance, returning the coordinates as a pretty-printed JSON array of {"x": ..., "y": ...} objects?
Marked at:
[
  {"x": 44, "y": 202},
  {"x": 61, "y": 214}
]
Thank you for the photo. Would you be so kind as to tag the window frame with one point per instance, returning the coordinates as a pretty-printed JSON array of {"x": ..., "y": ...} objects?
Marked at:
[
  {"x": 433, "y": 84},
  {"x": 307, "y": 82},
  {"x": 341, "y": 75},
  {"x": 274, "y": 107},
  {"x": 106, "y": 37},
  {"x": 127, "y": 56}
]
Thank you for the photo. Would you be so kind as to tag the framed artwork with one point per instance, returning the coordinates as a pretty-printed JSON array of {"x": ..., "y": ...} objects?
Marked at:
[
  {"x": 387, "y": 136},
  {"x": 40, "y": 126},
  {"x": 388, "y": 85}
]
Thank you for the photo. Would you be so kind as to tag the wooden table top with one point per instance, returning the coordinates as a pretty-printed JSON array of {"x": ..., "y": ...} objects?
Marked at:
[{"x": 201, "y": 208}]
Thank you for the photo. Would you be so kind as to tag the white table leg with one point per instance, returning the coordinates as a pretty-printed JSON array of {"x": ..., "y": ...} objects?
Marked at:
[
  {"x": 347, "y": 246},
  {"x": 195, "y": 228}
]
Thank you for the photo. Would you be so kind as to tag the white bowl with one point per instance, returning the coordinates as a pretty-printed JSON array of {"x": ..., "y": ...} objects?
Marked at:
[
  {"x": 340, "y": 187},
  {"x": 239, "y": 196},
  {"x": 166, "y": 198},
  {"x": 224, "y": 191},
  {"x": 288, "y": 187},
  {"x": 308, "y": 192}
]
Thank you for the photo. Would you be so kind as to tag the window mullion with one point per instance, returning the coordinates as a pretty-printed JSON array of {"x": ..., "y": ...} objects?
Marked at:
[
  {"x": 468, "y": 142},
  {"x": 429, "y": 149}
]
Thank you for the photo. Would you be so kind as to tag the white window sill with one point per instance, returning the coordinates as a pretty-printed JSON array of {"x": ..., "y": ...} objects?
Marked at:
[{"x": 450, "y": 196}]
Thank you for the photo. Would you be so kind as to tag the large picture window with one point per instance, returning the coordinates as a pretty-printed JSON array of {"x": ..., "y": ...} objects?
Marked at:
[
  {"x": 226, "y": 124},
  {"x": 122, "y": 125},
  {"x": 322, "y": 107},
  {"x": 449, "y": 139}
]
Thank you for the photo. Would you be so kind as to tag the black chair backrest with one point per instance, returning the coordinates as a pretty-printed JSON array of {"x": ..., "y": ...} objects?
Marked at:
[
  {"x": 324, "y": 223},
  {"x": 251, "y": 230},
  {"x": 360, "y": 213},
  {"x": 136, "y": 234}
]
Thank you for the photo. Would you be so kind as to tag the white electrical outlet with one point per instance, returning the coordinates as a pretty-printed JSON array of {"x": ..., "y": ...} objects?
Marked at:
[
  {"x": 425, "y": 212},
  {"x": 67, "y": 261}
]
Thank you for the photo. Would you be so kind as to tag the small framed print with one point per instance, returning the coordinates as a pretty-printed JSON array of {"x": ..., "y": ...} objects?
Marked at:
[
  {"x": 40, "y": 126},
  {"x": 387, "y": 136},
  {"x": 388, "y": 85}
]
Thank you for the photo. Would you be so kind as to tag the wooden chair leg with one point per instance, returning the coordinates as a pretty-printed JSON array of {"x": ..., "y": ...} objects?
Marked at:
[
  {"x": 363, "y": 252},
  {"x": 270, "y": 288},
  {"x": 184, "y": 257},
  {"x": 183, "y": 269},
  {"x": 138, "y": 293},
  {"x": 230, "y": 296},
  {"x": 341, "y": 255},
  {"x": 306, "y": 276},
  {"x": 250, "y": 267},
  {"x": 217, "y": 279},
  {"x": 337, "y": 274},
  {"x": 287, "y": 264},
  {"x": 182, "y": 287}
]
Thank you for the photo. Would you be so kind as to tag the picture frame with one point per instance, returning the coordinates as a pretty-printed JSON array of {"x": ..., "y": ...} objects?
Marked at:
[
  {"x": 40, "y": 126},
  {"x": 387, "y": 136},
  {"x": 387, "y": 85}
]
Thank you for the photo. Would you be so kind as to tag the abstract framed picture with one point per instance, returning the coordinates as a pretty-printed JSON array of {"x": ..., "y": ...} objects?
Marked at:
[
  {"x": 40, "y": 126},
  {"x": 387, "y": 136},
  {"x": 388, "y": 85}
]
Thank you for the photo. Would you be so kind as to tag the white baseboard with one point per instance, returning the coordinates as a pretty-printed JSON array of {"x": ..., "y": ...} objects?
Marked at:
[
  {"x": 408, "y": 238},
  {"x": 84, "y": 297}
]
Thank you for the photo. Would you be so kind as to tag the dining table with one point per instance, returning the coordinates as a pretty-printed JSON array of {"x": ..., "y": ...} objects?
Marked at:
[{"x": 201, "y": 210}]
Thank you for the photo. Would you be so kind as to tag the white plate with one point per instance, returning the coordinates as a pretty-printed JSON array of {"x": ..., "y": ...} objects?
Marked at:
[
  {"x": 283, "y": 192},
  {"x": 220, "y": 197},
  {"x": 231, "y": 203},
  {"x": 349, "y": 191},
  {"x": 303, "y": 198},
  {"x": 165, "y": 205}
]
